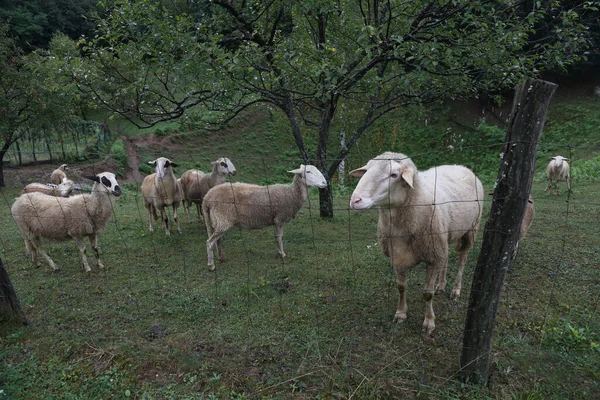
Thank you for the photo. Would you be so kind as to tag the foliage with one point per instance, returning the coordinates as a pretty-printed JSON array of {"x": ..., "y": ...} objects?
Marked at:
[
  {"x": 119, "y": 154},
  {"x": 568, "y": 338},
  {"x": 588, "y": 170},
  {"x": 324, "y": 64},
  {"x": 34, "y": 22}
]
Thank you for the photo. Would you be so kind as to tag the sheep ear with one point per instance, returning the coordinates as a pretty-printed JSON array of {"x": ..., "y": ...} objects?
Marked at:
[
  {"x": 297, "y": 170},
  {"x": 172, "y": 164},
  {"x": 214, "y": 162},
  {"x": 359, "y": 172},
  {"x": 93, "y": 178},
  {"x": 567, "y": 160},
  {"x": 151, "y": 163},
  {"x": 408, "y": 175}
]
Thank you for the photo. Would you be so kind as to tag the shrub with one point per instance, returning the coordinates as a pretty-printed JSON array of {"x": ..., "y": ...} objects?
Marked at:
[{"x": 119, "y": 154}]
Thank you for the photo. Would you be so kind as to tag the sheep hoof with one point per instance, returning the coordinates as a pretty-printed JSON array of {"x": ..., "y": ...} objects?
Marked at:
[
  {"x": 455, "y": 294},
  {"x": 399, "y": 317},
  {"x": 211, "y": 268},
  {"x": 429, "y": 325},
  {"x": 222, "y": 259},
  {"x": 440, "y": 291},
  {"x": 57, "y": 270}
]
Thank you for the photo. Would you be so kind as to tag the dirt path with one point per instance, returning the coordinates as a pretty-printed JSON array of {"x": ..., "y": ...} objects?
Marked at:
[{"x": 132, "y": 174}]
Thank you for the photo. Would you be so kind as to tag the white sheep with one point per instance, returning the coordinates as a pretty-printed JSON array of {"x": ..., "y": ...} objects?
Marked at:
[
  {"x": 252, "y": 207},
  {"x": 420, "y": 214},
  {"x": 195, "y": 184},
  {"x": 161, "y": 189},
  {"x": 558, "y": 170},
  {"x": 40, "y": 216},
  {"x": 62, "y": 190},
  {"x": 58, "y": 175}
]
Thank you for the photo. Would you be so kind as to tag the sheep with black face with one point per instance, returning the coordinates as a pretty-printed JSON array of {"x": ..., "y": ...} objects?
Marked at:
[{"x": 40, "y": 216}]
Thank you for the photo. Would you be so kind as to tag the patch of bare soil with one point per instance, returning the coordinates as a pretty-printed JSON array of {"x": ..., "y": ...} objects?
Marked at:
[{"x": 17, "y": 177}]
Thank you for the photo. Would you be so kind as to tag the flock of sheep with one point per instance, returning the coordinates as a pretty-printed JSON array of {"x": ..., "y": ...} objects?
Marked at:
[{"x": 421, "y": 213}]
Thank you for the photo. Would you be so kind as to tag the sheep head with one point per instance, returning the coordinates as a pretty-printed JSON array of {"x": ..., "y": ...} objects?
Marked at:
[
  {"x": 384, "y": 182},
  {"x": 311, "y": 175},
  {"x": 106, "y": 181},
  {"x": 224, "y": 166},
  {"x": 161, "y": 165},
  {"x": 63, "y": 167}
]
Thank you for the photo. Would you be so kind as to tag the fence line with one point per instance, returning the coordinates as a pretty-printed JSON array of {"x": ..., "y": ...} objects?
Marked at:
[{"x": 186, "y": 270}]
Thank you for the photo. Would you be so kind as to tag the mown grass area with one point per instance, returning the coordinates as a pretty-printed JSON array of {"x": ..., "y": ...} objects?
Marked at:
[{"x": 157, "y": 324}]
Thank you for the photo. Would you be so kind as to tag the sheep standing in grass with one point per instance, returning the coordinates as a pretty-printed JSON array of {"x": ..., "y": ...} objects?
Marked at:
[
  {"x": 558, "y": 170},
  {"x": 420, "y": 214},
  {"x": 40, "y": 216},
  {"x": 58, "y": 174},
  {"x": 160, "y": 190},
  {"x": 195, "y": 184},
  {"x": 62, "y": 190},
  {"x": 252, "y": 207}
]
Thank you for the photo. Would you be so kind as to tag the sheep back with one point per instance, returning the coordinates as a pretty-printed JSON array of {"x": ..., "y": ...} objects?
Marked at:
[
  {"x": 252, "y": 206},
  {"x": 445, "y": 204},
  {"x": 57, "y": 218}
]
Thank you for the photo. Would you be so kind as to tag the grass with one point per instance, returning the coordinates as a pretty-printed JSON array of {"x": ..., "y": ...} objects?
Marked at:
[{"x": 157, "y": 324}]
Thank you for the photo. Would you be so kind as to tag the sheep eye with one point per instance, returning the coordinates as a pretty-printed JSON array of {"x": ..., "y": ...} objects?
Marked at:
[
  {"x": 223, "y": 164},
  {"x": 394, "y": 175},
  {"x": 308, "y": 172},
  {"x": 106, "y": 182}
]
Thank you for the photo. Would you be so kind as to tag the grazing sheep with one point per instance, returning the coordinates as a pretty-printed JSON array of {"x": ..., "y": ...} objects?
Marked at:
[
  {"x": 161, "y": 189},
  {"x": 195, "y": 184},
  {"x": 558, "y": 170},
  {"x": 420, "y": 214},
  {"x": 39, "y": 216},
  {"x": 59, "y": 174},
  {"x": 252, "y": 207},
  {"x": 62, "y": 190}
]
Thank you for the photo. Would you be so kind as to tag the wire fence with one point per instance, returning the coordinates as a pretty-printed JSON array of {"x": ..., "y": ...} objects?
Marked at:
[{"x": 320, "y": 317}]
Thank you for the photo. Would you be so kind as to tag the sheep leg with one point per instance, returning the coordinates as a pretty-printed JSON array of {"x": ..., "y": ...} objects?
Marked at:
[
  {"x": 176, "y": 219},
  {"x": 220, "y": 250},
  {"x": 279, "y": 236},
  {"x": 81, "y": 245},
  {"x": 428, "y": 291},
  {"x": 214, "y": 238},
  {"x": 442, "y": 280},
  {"x": 548, "y": 186},
  {"x": 94, "y": 243},
  {"x": 462, "y": 259},
  {"x": 400, "y": 315},
  {"x": 37, "y": 246},
  {"x": 150, "y": 227},
  {"x": 32, "y": 249},
  {"x": 165, "y": 221}
]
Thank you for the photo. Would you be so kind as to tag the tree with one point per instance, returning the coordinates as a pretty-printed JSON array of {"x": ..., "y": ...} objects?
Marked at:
[
  {"x": 309, "y": 58},
  {"x": 34, "y": 22},
  {"x": 28, "y": 106}
]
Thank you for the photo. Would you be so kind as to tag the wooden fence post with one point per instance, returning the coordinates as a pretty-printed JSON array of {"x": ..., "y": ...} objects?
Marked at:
[
  {"x": 511, "y": 192},
  {"x": 10, "y": 307}
]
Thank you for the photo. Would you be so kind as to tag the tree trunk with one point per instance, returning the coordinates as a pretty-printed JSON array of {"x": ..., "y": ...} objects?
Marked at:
[
  {"x": 19, "y": 154},
  {"x": 501, "y": 234},
  {"x": 49, "y": 150},
  {"x": 10, "y": 307},
  {"x": 326, "y": 201}
]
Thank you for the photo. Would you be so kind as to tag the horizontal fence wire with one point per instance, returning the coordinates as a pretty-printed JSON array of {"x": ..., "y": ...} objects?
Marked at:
[{"x": 334, "y": 276}]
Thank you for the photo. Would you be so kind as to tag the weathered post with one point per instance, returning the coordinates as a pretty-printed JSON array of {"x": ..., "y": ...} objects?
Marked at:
[
  {"x": 511, "y": 192},
  {"x": 10, "y": 307}
]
